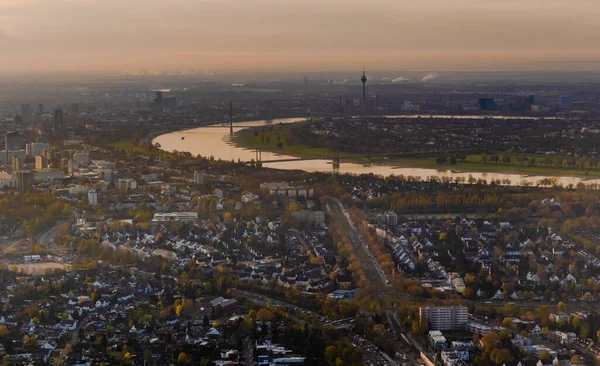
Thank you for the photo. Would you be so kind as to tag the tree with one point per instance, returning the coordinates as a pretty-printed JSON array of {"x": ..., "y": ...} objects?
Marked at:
[
  {"x": 29, "y": 341},
  {"x": 561, "y": 306},
  {"x": 576, "y": 322},
  {"x": 182, "y": 358},
  {"x": 507, "y": 322},
  {"x": 470, "y": 279},
  {"x": 264, "y": 315},
  {"x": 545, "y": 331},
  {"x": 415, "y": 329},
  {"x": 330, "y": 354},
  {"x": 575, "y": 360},
  {"x": 500, "y": 355},
  {"x": 3, "y": 331},
  {"x": 490, "y": 341},
  {"x": 178, "y": 309}
]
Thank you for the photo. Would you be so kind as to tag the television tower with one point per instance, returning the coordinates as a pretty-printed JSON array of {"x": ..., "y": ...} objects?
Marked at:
[
  {"x": 364, "y": 96},
  {"x": 231, "y": 118}
]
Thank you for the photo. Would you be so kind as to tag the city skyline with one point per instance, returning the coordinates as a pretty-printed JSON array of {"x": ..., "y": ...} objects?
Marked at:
[{"x": 464, "y": 35}]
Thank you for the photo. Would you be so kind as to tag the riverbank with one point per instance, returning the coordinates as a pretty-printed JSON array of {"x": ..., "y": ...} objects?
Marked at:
[
  {"x": 251, "y": 138},
  {"x": 273, "y": 140},
  {"x": 469, "y": 166}
]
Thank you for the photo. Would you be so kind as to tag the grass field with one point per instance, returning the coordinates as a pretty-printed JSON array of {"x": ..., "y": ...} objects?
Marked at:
[
  {"x": 247, "y": 139},
  {"x": 130, "y": 145}
]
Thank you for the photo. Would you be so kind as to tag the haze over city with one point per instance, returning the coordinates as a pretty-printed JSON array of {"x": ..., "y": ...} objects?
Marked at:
[
  {"x": 299, "y": 182},
  {"x": 272, "y": 35}
]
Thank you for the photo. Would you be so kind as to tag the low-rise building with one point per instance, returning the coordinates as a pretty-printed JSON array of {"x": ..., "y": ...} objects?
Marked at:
[
  {"x": 437, "y": 340},
  {"x": 175, "y": 216}
]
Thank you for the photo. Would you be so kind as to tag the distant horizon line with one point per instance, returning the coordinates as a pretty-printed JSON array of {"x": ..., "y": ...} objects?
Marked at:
[{"x": 197, "y": 72}]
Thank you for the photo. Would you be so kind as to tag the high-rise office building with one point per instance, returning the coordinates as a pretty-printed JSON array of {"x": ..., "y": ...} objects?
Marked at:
[
  {"x": 12, "y": 142},
  {"x": 487, "y": 104},
  {"x": 41, "y": 162},
  {"x": 36, "y": 148},
  {"x": 74, "y": 108},
  {"x": 444, "y": 317},
  {"x": 17, "y": 163},
  {"x": 162, "y": 103},
  {"x": 58, "y": 119},
  {"x": 41, "y": 109},
  {"x": 564, "y": 102},
  {"x": 26, "y": 113},
  {"x": 25, "y": 179}
]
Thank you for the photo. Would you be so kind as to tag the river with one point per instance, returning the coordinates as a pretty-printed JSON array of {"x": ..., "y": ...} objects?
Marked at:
[{"x": 215, "y": 141}]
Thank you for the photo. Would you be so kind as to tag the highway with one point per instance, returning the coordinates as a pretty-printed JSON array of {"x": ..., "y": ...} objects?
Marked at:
[{"x": 375, "y": 274}]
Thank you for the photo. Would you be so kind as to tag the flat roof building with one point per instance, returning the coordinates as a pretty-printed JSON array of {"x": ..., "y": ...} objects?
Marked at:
[{"x": 443, "y": 317}]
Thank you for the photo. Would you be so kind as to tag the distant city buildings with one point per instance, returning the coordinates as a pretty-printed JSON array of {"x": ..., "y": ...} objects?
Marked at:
[
  {"x": 36, "y": 148},
  {"x": 26, "y": 113},
  {"x": 74, "y": 108},
  {"x": 409, "y": 106},
  {"x": 41, "y": 162},
  {"x": 487, "y": 104},
  {"x": 17, "y": 163},
  {"x": 564, "y": 102},
  {"x": 92, "y": 197},
  {"x": 126, "y": 184},
  {"x": 58, "y": 119},
  {"x": 82, "y": 158},
  {"x": 162, "y": 103},
  {"x": 25, "y": 179},
  {"x": 12, "y": 143},
  {"x": 7, "y": 180}
]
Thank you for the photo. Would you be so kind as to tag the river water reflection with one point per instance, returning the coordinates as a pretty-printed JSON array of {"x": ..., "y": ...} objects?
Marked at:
[{"x": 215, "y": 141}]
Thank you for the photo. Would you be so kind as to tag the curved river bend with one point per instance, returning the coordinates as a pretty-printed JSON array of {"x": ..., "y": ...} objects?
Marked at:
[{"x": 215, "y": 141}]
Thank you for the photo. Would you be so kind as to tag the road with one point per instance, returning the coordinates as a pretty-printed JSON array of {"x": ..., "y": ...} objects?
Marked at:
[
  {"x": 373, "y": 270},
  {"x": 372, "y": 353},
  {"x": 261, "y": 300},
  {"x": 248, "y": 352},
  {"x": 44, "y": 237}
]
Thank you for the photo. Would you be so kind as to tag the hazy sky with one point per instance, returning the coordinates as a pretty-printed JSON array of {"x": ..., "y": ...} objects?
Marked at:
[{"x": 298, "y": 35}]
